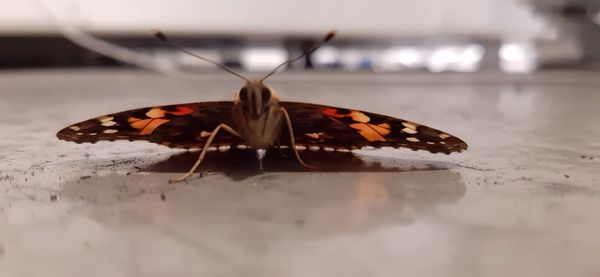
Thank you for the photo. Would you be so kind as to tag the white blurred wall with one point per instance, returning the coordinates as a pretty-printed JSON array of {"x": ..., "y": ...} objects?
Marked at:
[{"x": 496, "y": 18}]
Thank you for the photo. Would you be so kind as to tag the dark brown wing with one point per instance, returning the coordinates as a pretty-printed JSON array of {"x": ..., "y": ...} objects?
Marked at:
[
  {"x": 326, "y": 126},
  {"x": 178, "y": 126}
]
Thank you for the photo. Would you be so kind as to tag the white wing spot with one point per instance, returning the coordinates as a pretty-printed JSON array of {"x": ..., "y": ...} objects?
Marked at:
[
  {"x": 242, "y": 146},
  {"x": 224, "y": 148},
  {"x": 409, "y": 131},
  {"x": 412, "y": 139},
  {"x": 300, "y": 147},
  {"x": 328, "y": 149},
  {"x": 109, "y": 123},
  {"x": 430, "y": 142},
  {"x": 110, "y": 131},
  {"x": 444, "y": 136},
  {"x": 80, "y": 134},
  {"x": 313, "y": 148},
  {"x": 343, "y": 150},
  {"x": 410, "y": 125},
  {"x": 75, "y": 128},
  {"x": 105, "y": 118},
  {"x": 93, "y": 134}
]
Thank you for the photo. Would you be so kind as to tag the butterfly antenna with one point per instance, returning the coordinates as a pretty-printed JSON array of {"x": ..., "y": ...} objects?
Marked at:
[
  {"x": 162, "y": 37},
  {"x": 315, "y": 46}
]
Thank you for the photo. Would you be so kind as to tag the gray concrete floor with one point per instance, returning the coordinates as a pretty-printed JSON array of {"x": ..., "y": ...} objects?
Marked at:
[{"x": 522, "y": 201}]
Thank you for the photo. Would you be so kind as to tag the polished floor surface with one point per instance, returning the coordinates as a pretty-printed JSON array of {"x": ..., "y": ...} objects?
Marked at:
[{"x": 524, "y": 200}]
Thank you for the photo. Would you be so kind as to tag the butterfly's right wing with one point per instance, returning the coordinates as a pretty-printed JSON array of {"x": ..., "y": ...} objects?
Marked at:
[{"x": 338, "y": 128}]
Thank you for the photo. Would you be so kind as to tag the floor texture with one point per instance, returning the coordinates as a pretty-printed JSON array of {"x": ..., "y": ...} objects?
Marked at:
[{"x": 524, "y": 200}]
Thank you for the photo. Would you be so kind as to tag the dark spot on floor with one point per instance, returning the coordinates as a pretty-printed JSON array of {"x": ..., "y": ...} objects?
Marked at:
[
  {"x": 163, "y": 197},
  {"x": 85, "y": 177},
  {"x": 53, "y": 197},
  {"x": 586, "y": 157}
]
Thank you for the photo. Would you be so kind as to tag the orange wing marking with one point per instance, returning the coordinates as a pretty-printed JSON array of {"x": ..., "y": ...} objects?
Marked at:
[
  {"x": 372, "y": 132},
  {"x": 156, "y": 118},
  {"x": 369, "y": 131},
  {"x": 146, "y": 126},
  {"x": 356, "y": 116},
  {"x": 156, "y": 113},
  {"x": 160, "y": 113},
  {"x": 318, "y": 136},
  {"x": 182, "y": 110}
]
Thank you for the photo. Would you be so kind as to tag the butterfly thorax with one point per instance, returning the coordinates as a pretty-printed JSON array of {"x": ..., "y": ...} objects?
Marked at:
[{"x": 257, "y": 115}]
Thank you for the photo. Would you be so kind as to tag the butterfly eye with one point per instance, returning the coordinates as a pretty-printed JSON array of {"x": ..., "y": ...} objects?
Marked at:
[
  {"x": 243, "y": 94},
  {"x": 266, "y": 95}
]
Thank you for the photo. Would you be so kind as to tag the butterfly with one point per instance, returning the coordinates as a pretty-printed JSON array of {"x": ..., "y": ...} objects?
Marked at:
[{"x": 258, "y": 119}]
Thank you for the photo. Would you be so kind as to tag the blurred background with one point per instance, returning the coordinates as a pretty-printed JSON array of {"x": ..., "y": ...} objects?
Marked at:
[{"x": 514, "y": 36}]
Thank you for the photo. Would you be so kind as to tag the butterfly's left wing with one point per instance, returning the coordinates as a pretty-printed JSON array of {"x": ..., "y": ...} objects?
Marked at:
[
  {"x": 178, "y": 126},
  {"x": 331, "y": 127}
]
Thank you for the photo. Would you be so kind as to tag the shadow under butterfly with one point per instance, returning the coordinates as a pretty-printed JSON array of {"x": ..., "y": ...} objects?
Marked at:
[{"x": 241, "y": 164}]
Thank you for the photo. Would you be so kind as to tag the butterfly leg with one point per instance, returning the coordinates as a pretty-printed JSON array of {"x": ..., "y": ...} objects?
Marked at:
[
  {"x": 279, "y": 148},
  {"x": 204, "y": 149},
  {"x": 292, "y": 140}
]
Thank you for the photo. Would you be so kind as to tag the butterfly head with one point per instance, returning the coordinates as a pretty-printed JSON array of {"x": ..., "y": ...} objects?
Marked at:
[{"x": 256, "y": 98}]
